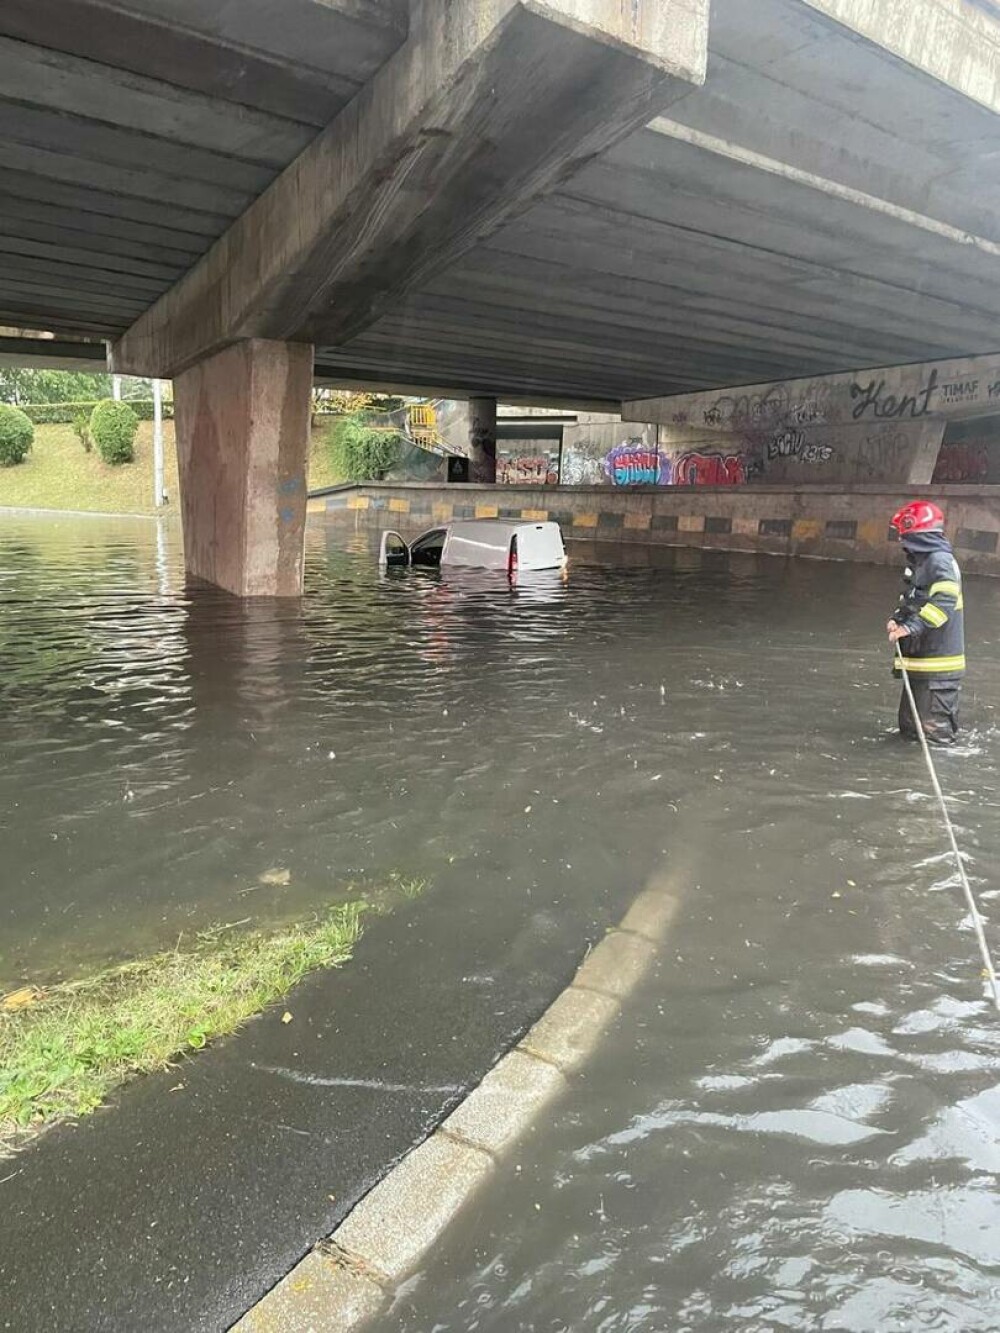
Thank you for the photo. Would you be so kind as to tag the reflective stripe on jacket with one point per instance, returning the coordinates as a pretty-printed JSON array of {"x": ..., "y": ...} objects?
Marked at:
[{"x": 932, "y": 607}]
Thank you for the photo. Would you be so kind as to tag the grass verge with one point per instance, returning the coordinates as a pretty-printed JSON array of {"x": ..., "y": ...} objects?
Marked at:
[
  {"x": 59, "y": 474},
  {"x": 62, "y": 1050}
]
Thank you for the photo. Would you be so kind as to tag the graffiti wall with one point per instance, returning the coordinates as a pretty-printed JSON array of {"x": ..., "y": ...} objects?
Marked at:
[
  {"x": 970, "y": 453},
  {"x": 808, "y": 453},
  {"x": 632, "y": 463},
  {"x": 528, "y": 462},
  {"x": 945, "y": 390},
  {"x": 877, "y": 430},
  {"x": 601, "y": 451}
]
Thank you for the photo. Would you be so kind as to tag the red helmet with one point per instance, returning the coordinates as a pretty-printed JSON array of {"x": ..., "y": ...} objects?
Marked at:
[{"x": 918, "y": 516}]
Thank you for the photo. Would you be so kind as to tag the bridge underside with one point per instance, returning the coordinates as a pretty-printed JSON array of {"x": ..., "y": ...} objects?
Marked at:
[{"x": 181, "y": 176}]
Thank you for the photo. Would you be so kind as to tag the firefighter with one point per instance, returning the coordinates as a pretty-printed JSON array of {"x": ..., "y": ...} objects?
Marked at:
[{"x": 929, "y": 624}]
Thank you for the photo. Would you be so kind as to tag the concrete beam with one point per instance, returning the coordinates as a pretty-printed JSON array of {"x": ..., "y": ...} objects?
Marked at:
[
  {"x": 438, "y": 150},
  {"x": 884, "y": 425},
  {"x": 302, "y": 60},
  {"x": 953, "y": 41},
  {"x": 331, "y": 377},
  {"x": 120, "y": 180},
  {"x": 933, "y": 390},
  {"x": 52, "y": 354},
  {"x": 65, "y": 85},
  {"x": 96, "y": 208}
]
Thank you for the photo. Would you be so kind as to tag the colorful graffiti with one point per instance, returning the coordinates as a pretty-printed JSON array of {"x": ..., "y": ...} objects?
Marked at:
[
  {"x": 962, "y": 462},
  {"x": 636, "y": 464},
  {"x": 633, "y": 463},
  {"x": 528, "y": 469},
  {"x": 710, "y": 468}
]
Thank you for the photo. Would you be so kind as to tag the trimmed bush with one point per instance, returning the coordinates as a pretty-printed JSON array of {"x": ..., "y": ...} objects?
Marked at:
[
  {"x": 17, "y": 435},
  {"x": 113, "y": 428},
  {"x": 65, "y": 414},
  {"x": 81, "y": 429},
  {"x": 360, "y": 451}
]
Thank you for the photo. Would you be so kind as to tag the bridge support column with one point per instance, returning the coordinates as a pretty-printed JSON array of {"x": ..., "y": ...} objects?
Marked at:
[
  {"x": 242, "y": 420},
  {"x": 483, "y": 440}
]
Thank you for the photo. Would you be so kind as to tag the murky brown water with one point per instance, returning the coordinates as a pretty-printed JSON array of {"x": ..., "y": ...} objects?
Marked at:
[{"x": 796, "y": 1123}]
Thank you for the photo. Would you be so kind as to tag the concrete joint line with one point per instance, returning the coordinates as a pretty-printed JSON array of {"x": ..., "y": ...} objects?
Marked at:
[
  {"x": 343, "y": 1283},
  {"x": 710, "y": 143},
  {"x": 542, "y": 1059},
  {"x": 455, "y": 1136},
  {"x": 357, "y": 1265},
  {"x": 640, "y": 934},
  {"x": 596, "y": 990}
]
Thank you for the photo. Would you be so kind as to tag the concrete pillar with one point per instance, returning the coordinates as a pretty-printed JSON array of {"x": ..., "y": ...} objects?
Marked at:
[
  {"x": 483, "y": 440},
  {"x": 929, "y": 437},
  {"x": 242, "y": 420}
]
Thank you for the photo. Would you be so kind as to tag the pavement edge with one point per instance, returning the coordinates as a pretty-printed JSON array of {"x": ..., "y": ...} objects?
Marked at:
[{"x": 347, "y": 1278}]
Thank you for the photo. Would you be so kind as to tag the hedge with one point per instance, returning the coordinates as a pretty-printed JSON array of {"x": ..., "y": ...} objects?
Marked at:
[
  {"x": 16, "y": 435},
  {"x": 64, "y": 414},
  {"x": 112, "y": 428}
]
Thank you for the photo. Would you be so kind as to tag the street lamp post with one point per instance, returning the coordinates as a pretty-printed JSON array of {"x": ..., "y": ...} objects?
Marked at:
[{"x": 158, "y": 496}]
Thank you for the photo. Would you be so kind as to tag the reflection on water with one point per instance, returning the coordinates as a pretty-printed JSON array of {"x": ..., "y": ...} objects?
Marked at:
[{"x": 796, "y": 1123}]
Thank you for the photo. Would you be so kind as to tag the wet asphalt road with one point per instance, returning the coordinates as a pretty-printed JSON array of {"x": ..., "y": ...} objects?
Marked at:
[{"x": 178, "y": 1206}]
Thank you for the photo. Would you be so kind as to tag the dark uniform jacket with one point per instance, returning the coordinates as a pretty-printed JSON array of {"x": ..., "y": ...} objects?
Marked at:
[{"x": 931, "y": 608}]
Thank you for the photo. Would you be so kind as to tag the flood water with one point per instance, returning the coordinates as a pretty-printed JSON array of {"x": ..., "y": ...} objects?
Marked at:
[{"x": 795, "y": 1123}]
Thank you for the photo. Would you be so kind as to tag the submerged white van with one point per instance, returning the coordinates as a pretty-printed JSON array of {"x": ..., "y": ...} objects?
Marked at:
[{"x": 480, "y": 543}]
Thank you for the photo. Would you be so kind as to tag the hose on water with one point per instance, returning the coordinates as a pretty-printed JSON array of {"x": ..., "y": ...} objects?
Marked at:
[{"x": 977, "y": 920}]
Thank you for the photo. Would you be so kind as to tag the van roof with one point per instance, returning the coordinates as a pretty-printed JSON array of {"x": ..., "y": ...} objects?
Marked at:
[{"x": 500, "y": 523}]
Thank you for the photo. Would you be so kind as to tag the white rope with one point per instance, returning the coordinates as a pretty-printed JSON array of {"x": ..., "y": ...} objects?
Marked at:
[{"x": 977, "y": 920}]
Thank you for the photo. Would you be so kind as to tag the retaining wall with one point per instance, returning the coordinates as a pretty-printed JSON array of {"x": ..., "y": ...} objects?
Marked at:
[{"x": 824, "y": 522}]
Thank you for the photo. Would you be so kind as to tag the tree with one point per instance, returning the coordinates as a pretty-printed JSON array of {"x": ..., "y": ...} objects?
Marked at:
[
  {"x": 361, "y": 451},
  {"x": 347, "y": 402},
  {"x": 20, "y": 385}
]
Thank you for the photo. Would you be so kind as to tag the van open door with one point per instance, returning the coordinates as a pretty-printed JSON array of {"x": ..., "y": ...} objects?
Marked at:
[{"x": 393, "y": 551}]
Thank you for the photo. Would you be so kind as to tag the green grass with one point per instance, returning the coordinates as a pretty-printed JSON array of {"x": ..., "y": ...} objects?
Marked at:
[
  {"x": 322, "y": 471},
  {"x": 62, "y": 1054},
  {"x": 59, "y": 474}
]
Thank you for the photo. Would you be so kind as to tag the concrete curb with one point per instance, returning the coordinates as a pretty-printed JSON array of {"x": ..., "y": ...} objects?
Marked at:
[
  {"x": 30, "y": 511},
  {"x": 343, "y": 1283}
]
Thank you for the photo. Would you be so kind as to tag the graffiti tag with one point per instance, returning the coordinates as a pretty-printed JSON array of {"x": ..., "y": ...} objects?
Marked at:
[
  {"x": 524, "y": 470},
  {"x": 772, "y": 407},
  {"x": 634, "y": 464},
  {"x": 748, "y": 407},
  {"x": 807, "y": 413},
  {"x": 890, "y": 406},
  {"x": 792, "y": 444},
  {"x": 710, "y": 469}
]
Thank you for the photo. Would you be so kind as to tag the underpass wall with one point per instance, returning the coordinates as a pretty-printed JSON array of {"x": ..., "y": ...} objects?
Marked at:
[{"x": 830, "y": 523}]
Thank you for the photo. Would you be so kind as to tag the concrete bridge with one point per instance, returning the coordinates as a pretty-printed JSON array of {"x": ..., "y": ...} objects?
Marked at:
[{"x": 581, "y": 201}]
